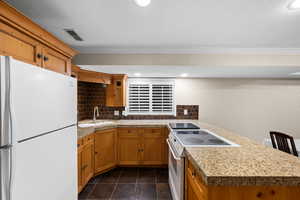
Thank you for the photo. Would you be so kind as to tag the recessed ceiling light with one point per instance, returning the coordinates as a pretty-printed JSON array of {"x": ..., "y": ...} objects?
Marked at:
[
  {"x": 142, "y": 3},
  {"x": 184, "y": 75},
  {"x": 294, "y": 5},
  {"x": 137, "y": 74},
  {"x": 295, "y": 74}
]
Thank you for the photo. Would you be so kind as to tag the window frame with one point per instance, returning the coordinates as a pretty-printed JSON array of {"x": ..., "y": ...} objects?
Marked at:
[{"x": 150, "y": 82}]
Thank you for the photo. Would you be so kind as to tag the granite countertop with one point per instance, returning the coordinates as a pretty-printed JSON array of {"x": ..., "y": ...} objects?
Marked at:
[{"x": 247, "y": 165}]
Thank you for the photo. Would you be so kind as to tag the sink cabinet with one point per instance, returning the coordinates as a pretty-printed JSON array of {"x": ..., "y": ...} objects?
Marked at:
[
  {"x": 105, "y": 150},
  {"x": 130, "y": 146}
]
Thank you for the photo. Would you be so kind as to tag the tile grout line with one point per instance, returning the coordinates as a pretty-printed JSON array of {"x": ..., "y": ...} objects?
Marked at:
[
  {"x": 136, "y": 183},
  {"x": 93, "y": 188},
  {"x": 156, "y": 176},
  {"x": 116, "y": 184}
]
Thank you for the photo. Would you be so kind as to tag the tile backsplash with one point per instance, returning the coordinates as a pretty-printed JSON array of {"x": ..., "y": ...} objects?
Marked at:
[{"x": 93, "y": 94}]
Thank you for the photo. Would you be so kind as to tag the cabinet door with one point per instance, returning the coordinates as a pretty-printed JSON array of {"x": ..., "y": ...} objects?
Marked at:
[
  {"x": 87, "y": 162},
  {"x": 55, "y": 61},
  {"x": 79, "y": 174},
  {"x": 191, "y": 193},
  {"x": 20, "y": 46},
  {"x": 129, "y": 151},
  {"x": 105, "y": 150},
  {"x": 116, "y": 91},
  {"x": 152, "y": 146},
  {"x": 152, "y": 151}
]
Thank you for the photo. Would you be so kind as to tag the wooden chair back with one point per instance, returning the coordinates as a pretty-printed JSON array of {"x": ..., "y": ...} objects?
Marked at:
[{"x": 281, "y": 142}]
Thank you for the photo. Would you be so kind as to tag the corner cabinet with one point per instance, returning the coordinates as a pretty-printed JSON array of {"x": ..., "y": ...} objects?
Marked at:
[
  {"x": 116, "y": 91},
  {"x": 26, "y": 41},
  {"x": 105, "y": 150}
]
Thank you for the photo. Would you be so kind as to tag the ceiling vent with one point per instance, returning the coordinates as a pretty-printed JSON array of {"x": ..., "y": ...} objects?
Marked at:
[{"x": 73, "y": 34}]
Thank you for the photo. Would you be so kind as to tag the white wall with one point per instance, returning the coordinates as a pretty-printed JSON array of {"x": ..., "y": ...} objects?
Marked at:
[{"x": 249, "y": 107}]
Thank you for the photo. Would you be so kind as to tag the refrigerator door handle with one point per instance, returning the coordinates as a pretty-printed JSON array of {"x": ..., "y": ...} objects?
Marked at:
[{"x": 7, "y": 151}]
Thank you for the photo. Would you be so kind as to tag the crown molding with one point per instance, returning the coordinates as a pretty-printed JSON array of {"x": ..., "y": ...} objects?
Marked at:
[{"x": 200, "y": 50}]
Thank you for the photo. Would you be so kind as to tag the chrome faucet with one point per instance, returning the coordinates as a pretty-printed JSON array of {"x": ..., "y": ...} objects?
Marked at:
[{"x": 96, "y": 113}]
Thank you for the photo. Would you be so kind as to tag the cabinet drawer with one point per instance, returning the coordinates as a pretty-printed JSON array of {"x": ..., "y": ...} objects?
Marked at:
[
  {"x": 153, "y": 132},
  {"x": 128, "y": 132}
]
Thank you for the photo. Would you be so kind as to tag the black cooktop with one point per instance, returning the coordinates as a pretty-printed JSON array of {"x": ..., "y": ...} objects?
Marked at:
[{"x": 183, "y": 126}]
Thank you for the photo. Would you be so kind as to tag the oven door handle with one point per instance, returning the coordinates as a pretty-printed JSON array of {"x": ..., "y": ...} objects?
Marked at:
[{"x": 172, "y": 151}]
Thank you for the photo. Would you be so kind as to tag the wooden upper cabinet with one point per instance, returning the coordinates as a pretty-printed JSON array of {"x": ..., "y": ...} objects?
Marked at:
[
  {"x": 116, "y": 92},
  {"x": 26, "y": 41},
  {"x": 55, "y": 61},
  {"x": 20, "y": 46},
  {"x": 105, "y": 150},
  {"x": 91, "y": 76}
]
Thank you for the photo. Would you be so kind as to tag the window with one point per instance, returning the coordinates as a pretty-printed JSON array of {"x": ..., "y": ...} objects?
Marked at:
[{"x": 154, "y": 97}]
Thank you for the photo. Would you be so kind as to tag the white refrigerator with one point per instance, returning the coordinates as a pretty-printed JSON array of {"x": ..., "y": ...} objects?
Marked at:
[{"x": 38, "y": 140}]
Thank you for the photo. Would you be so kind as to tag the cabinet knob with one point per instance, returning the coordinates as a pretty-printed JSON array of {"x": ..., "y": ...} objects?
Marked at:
[
  {"x": 46, "y": 58},
  {"x": 39, "y": 56}
]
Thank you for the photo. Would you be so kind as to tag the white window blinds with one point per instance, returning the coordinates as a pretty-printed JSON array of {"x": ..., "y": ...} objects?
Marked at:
[
  {"x": 139, "y": 98},
  {"x": 162, "y": 98},
  {"x": 151, "y": 97}
]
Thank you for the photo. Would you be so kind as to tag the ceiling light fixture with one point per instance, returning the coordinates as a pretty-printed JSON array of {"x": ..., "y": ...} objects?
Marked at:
[
  {"x": 142, "y": 3},
  {"x": 184, "y": 75},
  {"x": 137, "y": 74},
  {"x": 294, "y": 5}
]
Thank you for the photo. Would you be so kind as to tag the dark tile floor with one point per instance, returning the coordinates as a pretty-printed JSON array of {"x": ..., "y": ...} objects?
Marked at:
[{"x": 127, "y": 184}]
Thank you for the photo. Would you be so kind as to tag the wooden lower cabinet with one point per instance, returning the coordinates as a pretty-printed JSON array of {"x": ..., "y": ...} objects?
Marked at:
[
  {"x": 196, "y": 189},
  {"x": 105, "y": 150},
  {"x": 141, "y": 146},
  {"x": 152, "y": 146},
  {"x": 129, "y": 146},
  {"x": 85, "y": 162}
]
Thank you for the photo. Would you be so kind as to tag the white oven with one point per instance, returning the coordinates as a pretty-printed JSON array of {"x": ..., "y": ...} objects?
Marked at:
[{"x": 176, "y": 170}]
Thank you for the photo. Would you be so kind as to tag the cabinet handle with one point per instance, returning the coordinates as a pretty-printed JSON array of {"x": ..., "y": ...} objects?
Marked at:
[
  {"x": 39, "y": 56},
  {"x": 259, "y": 194},
  {"x": 84, "y": 166},
  {"x": 46, "y": 58},
  {"x": 272, "y": 192}
]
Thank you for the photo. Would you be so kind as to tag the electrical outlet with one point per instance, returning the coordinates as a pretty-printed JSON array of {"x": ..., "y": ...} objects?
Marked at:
[
  {"x": 116, "y": 113},
  {"x": 185, "y": 112}
]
